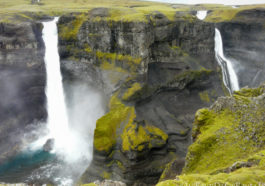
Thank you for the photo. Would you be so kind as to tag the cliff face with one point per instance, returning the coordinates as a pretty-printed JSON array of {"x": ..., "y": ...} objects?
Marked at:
[
  {"x": 22, "y": 82},
  {"x": 157, "y": 40},
  {"x": 243, "y": 40},
  {"x": 155, "y": 75}
]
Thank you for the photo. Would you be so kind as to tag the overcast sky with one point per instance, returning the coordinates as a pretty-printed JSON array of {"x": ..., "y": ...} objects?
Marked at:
[{"x": 226, "y": 2}]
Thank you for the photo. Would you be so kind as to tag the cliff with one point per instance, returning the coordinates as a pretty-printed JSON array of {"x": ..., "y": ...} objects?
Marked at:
[
  {"x": 156, "y": 69},
  {"x": 243, "y": 39},
  {"x": 22, "y": 82},
  {"x": 157, "y": 73}
]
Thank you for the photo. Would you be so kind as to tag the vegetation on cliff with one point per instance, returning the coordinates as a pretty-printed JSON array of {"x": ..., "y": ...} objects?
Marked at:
[
  {"x": 121, "y": 10},
  {"x": 105, "y": 132},
  {"x": 229, "y": 142}
]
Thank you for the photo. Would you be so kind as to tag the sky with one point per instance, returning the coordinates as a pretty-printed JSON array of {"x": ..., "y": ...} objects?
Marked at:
[{"x": 226, "y": 2}]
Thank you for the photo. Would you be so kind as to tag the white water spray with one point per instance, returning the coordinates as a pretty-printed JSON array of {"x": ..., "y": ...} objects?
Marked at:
[
  {"x": 69, "y": 142},
  {"x": 229, "y": 74},
  {"x": 201, "y": 14},
  {"x": 57, "y": 114}
]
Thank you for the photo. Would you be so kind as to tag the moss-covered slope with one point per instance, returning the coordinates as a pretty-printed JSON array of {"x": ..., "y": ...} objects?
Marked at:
[{"x": 229, "y": 145}]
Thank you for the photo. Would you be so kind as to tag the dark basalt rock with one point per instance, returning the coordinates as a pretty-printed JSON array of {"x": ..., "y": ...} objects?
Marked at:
[
  {"x": 244, "y": 44},
  {"x": 173, "y": 54},
  {"x": 22, "y": 82},
  {"x": 48, "y": 146}
]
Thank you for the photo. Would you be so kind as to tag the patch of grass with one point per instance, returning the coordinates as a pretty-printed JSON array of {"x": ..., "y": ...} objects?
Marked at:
[
  {"x": 121, "y": 10},
  {"x": 227, "y": 13}
]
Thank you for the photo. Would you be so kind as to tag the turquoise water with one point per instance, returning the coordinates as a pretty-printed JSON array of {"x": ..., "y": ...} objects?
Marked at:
[{"x": 19, "y": 168}]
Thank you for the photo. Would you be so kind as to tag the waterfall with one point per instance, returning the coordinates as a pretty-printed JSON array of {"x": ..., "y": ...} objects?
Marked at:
[
  {"x": 57, "y": 114},
  {"x": 71, "y": 126},
  {"x": 229, "y": 74},
  {"x": 201, "y": 14}
]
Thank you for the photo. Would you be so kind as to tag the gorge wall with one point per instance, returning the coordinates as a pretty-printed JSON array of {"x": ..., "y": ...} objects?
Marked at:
[
  {"x": 243, "y": 40},
  {"x": 155, "y": 74},
  {"x": 22, "y": 84}
]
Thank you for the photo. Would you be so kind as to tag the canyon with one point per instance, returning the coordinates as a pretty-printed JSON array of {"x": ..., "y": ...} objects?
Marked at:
[{"x": 151, "y": 76}]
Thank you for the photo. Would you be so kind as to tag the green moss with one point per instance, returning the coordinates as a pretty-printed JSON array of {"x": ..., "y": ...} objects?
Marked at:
[
  {"x": 127, "y": 15},
  {"x": 131, "y": 62},
  {"x": 189, "y": 76},
  {"x": 252, "y": 175},
  {"x": 222, "y": 15},
  {"x": 130, "y": 91},
  {"x": 249, "y": 92},
  {"x": 89, "y": 184},
  {"x": 106, "y": 126},
  {"x": 219, "y": 137},
  {"x": 117, "y": 163},
  {"x": 204, "y": 96},
  {"x": 179, "y": 51},
  {"x": 88, "y": 49},
  {"x": 168, "y": 183},
  {"x": 242, "y": 176},
  {"x": 230, "y": 143},
  {"x": 69, "y": 31},
  {"x": 111, "y": 66},
  {"x": 167, "y": 170},
  {"x": 106, "y": 175},
  {"x": 137, "y": 137},
  {"x": 203, "y": 117}
]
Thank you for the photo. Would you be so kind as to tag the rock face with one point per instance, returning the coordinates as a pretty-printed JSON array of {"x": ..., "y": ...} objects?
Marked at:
[
  {"x": 22, "y": 82},
  {"x": 229, "y": 145},
  {"x": 155, "y": 75},
  {"x": 243, "y": 40},
  {"x": 93, "y": 37}
]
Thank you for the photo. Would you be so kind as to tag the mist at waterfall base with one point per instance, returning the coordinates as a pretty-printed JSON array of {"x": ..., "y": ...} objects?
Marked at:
[{"x": 70, "y": 126}]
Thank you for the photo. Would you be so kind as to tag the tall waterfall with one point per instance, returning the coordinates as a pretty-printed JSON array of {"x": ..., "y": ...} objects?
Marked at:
[
  {"x": 72, "y": 125},
  {"x": 68, "y": 142},
  {"x": 56, "y": 107},
  {"x": 229, "y": 74}
]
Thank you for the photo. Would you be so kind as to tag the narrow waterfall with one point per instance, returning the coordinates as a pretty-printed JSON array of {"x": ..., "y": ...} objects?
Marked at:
[
  {"x": 201, "y": 14},
  {"x": 229, "y": 74},
  {"x": 57, "y": 114}
]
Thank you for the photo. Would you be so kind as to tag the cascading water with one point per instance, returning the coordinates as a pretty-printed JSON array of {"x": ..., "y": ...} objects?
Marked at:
[
  {"x": 71, "y": 127},
  {"x": 229, "y": 74},
  {"x": 57, "y": 114}
]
